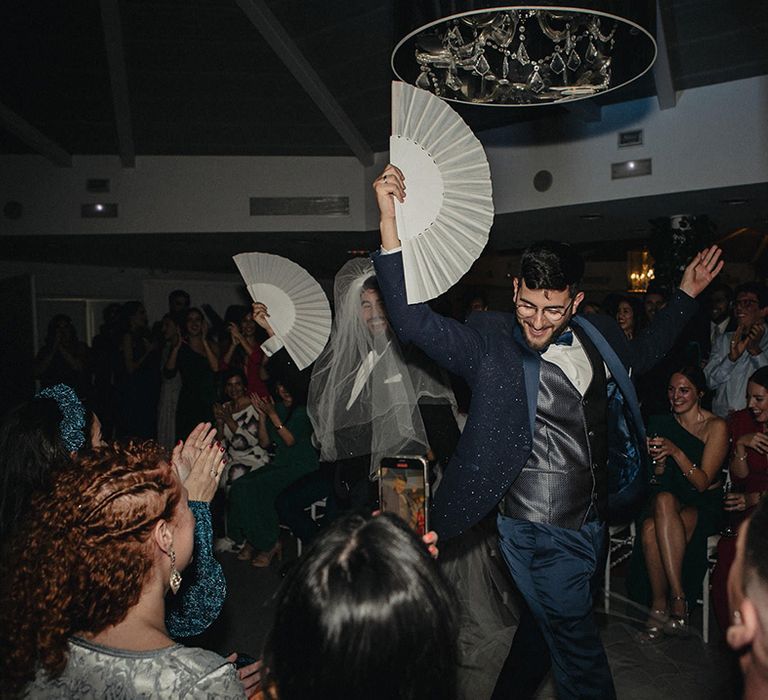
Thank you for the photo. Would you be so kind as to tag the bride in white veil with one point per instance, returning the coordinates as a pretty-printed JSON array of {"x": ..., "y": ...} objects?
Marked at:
[{"x": 363, "y": 396}]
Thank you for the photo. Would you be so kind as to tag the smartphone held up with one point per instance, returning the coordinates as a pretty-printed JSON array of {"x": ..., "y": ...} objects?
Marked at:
[{"x": 404, "y": 490}]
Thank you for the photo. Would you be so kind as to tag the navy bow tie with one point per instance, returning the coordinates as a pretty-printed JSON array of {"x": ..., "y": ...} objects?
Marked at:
[{"x": 565, "y": 338}]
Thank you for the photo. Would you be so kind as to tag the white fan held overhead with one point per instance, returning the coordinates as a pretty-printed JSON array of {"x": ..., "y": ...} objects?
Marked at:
[
  {"x": 444, "y": 222},
  {"x": 298, "y": 309}
]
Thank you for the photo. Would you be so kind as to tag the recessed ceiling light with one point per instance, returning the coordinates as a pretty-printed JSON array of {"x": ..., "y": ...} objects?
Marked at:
[
  {"x": 591, "y": 217},
  {"x": 735, "y": 202}
]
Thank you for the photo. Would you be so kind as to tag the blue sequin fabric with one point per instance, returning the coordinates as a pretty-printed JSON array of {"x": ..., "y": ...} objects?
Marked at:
[
  {"x": 72, "y": 425},
  {"x": 203, "y": 588}
]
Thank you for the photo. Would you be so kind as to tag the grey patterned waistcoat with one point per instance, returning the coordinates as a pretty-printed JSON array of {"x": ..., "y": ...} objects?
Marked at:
[{"x": 566, "y": 472}]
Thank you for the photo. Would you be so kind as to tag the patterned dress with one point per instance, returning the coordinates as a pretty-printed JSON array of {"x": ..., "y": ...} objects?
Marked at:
[{"x": 94, "y": 671}]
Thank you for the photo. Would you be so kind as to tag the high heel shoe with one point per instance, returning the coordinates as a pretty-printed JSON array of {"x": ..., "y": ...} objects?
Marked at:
[
  {"x": 678, "y": 625},
  {"x": 264, "y": 559},
  {"x": 654, "y": 626},
  {"x": 246, "y": 552}
]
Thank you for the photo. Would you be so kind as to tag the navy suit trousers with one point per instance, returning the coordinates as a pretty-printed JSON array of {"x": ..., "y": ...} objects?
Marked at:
[{"x": 554, "y": 569}]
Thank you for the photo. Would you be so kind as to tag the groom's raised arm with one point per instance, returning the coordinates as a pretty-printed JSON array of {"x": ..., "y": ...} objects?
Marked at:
[{"x": 451, "y": 344}]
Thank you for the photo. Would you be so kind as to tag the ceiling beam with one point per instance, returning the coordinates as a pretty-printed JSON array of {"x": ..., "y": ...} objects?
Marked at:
[
  {"x": 118, "y": 77},
  {"x": 35, "y": 139},
  {"x": 275, "y": 35},
  {"x": 662, "y": 72}
]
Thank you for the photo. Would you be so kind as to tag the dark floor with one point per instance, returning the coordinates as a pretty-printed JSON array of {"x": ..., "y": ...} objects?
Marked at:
[{"x": 676, "y": 669}]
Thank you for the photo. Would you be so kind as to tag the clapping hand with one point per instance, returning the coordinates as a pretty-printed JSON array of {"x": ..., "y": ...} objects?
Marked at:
[
  {"x": 207, "y": 468},
  {"x": 754, "y": 336},
  {"x": 265, "y": 406},
  {"x": 187, "y": 451}
]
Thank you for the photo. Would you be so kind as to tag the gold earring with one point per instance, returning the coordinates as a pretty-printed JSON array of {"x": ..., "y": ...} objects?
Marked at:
[{"x": 175, "y": 575}]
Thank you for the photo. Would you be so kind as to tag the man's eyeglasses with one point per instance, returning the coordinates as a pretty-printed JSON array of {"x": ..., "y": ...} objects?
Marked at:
[
  {"x": 551, "y": 313},
  {"x": 745, "y": 303}
]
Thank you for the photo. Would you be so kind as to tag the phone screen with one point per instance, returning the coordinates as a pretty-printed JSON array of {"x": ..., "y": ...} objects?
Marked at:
[{"x": 403, "y": 490}]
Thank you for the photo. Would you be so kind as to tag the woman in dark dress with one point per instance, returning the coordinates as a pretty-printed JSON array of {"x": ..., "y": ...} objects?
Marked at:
[
  {"x": 195, "y": 358},
  {"x": 138, "y": 380},
  {"x": 688, "y": 447}
]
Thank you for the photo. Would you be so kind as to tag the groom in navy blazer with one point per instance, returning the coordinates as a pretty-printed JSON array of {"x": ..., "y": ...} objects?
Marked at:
[{"x": 537, "y": 436}]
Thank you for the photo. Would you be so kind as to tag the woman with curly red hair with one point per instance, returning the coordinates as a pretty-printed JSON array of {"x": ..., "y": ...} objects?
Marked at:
[{"x": 82, "y": 606}]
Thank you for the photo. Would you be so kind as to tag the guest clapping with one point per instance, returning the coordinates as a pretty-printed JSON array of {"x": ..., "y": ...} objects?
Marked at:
[
  {"x": 83, "y": 597},
  {"x": 195, "y": 357}
]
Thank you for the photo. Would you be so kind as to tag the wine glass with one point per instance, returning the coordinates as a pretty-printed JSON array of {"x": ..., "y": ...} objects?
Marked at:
[
  {"x": 658, "y": 467},
  {"x": 732, "y": 517}
]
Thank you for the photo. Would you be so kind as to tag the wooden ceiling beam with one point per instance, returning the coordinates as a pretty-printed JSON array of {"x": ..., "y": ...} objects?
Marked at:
[
  {"x": 662, "y": 71},
  {"x": 276, "y": 36},
  {"x": 118, "y": 77},
  {"x": 34, "y": 138}
]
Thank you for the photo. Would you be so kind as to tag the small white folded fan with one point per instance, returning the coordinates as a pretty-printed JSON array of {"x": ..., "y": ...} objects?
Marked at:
[
  {"x": 444, "y": 222},
  {"x": 298, "y": 309}
]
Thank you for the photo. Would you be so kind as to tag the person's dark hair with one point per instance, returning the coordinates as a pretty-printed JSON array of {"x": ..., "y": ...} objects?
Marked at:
[
  {"x": 366, "y": 613},
  {"x": 552, "y": 265},
  {"x": 371, "y": 283},
  {"x": 478, "y": 294},
  {"x": 293, "y": 385},
  {"x": 656, "y": 287},
  {"x": 50, "y": 335},
  {"x": 695, "y": 375},
  {"x": 30, "y": 448},
  {"x": 760, "y": 377},
  {"x": 235, "y": 313},
  {"x": 179, "y": 293},
  {"x": 612, "y": 302},
  {"x": 718, "y": 286},
  {"x": 755, "y": 288},
  {"x": 226, "y": 376},
  {"x": 190, "y": 310},
  {"x": 756, "y": 546},
  {"x": 127, "y": 312}
]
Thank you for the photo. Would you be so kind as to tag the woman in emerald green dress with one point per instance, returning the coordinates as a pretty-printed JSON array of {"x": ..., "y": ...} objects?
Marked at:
[
  {"x": 252, "y": 519},
  {"x": 687, "y": 447}
]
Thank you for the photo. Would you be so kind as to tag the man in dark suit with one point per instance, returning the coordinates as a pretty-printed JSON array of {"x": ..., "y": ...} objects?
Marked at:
[{"x": 536, "y": 439}]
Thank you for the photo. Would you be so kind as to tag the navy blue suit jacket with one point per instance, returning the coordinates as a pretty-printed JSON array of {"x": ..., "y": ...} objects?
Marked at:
[{"x": 503, "y": 373}]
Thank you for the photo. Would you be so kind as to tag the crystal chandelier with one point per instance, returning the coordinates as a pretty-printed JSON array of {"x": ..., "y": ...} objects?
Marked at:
[{"x": 524, "y": 55}]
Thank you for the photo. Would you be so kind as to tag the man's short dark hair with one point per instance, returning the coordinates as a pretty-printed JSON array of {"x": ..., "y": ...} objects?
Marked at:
[
  {"x": 371, "y": 283},
  {"x": 756, "y": 546},
  {"x": 718, "y": 286},
  {"x": 755, "y": 288},
  {"x": 657, "y": 287},
  {"x": 179, "y": 293},
  {"x": 551, "y": 265}
]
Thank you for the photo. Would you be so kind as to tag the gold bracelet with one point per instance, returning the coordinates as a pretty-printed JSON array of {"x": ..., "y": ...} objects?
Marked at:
[
  {"x": 741, "y": 459},
  {"x": 279, "y": 427},
  {"x": 690, "y": 471}
]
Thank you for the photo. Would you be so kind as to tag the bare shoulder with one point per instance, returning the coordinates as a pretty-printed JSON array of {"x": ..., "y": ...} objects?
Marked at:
[{"x": 714, "y": 426}]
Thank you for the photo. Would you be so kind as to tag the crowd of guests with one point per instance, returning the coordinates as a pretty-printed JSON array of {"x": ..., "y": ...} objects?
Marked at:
[{"x": 102, "y": 508}]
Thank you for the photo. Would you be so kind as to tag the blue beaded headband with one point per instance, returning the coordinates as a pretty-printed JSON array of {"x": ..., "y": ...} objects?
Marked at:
[{"x": 72, "y": 425}]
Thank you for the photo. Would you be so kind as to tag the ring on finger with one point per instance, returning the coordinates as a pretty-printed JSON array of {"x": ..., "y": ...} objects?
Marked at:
[{"x": 213, "y": 473}]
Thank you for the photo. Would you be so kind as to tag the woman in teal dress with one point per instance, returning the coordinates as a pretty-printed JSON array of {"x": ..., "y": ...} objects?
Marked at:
[
  {"x": 252, "y": 518},
  {"x": 687, "y": 447}
]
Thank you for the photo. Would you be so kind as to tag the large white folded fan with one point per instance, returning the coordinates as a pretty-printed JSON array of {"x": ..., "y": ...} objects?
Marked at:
[
  {"x": 298, "y": 308},
  {"x": 448, "y": 210}
]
